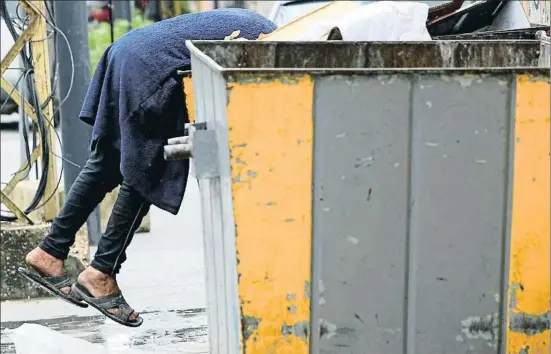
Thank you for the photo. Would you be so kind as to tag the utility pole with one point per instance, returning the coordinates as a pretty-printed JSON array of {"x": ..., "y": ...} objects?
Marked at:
[
  {"x": 153, "y": 10},
  {"x": 122, "y": 10},
  {"x": 239, "y": 4},
  {"x": 72, "y": 18}
]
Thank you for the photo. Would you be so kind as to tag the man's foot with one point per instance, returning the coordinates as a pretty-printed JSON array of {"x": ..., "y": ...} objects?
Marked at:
[
  {"x": 46, "y": 265},
  {"x": 100, "y": 284}
]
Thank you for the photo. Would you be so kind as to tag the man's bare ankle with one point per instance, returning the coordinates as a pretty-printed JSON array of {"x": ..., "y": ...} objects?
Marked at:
[
  {"x": 44, "y": 262},
  {"x": 92, "y": 275},
  {"x": 97, "y": 282}
]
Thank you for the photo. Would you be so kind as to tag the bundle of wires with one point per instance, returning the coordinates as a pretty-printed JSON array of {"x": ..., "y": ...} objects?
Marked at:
[{"x": 42, "y": 123}]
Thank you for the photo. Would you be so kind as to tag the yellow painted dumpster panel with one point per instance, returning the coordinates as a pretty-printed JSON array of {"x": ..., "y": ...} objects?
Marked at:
[
  {"x": 188, "y": 90},
  {"x": 529, "y": 285},
  {"x": 270, "y": 136}
]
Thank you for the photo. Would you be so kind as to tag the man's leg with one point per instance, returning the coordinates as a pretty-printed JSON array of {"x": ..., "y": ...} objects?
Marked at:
[
  {"x": 100, "y": 175},
  {"x": 128, "y": 212}
]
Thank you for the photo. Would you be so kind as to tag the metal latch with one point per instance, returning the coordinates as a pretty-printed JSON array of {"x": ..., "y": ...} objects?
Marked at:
[{"x": 200, "y": 145}]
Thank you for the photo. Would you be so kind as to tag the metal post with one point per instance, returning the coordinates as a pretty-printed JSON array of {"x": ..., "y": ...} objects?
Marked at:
[
  {"x": 153, "y": 10},
  {"x": 239, "y": 4},
  {"x": 71, "y": 18},
  {"x": 43, "y": 88},
  {"x": 121, "y": 10}
]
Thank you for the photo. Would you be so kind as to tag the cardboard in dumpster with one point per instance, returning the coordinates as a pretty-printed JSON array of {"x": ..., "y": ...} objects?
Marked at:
[
  {"x": 455, "y": 17},
  {"x": 297, "y": 28},
  {"x": 36, "y": 339}
]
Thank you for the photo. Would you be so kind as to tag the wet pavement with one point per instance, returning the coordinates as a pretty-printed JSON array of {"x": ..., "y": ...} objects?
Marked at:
[
  {"x": 167, "y": 331},
  {"x": 163, "y": 279}
]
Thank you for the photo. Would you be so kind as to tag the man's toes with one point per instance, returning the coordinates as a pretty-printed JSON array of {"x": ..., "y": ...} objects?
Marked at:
[
  {"x": 133, "y": 316},
  {"x": 66, "y": 290}
]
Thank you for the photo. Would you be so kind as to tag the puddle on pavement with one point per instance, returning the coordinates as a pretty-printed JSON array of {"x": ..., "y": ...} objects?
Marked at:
[{"x": 177, "y": 331}]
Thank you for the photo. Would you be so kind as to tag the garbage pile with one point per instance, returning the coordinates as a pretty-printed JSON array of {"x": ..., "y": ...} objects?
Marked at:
[{"x": 412, "y": 21}]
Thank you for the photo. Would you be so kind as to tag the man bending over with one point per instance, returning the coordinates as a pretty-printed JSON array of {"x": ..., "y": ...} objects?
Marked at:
[{"x": 135, "y": 102}]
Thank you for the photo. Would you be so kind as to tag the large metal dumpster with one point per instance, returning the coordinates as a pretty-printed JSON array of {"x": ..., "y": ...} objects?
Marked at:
[{"x": 374, "y": 198}]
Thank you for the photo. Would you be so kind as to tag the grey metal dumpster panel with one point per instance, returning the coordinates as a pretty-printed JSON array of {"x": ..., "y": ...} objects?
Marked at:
[
  {"x": 457, "y": 233},
  {"x": 433, "y": 54},
  {"x": 406, "y": 254},
  {"x": 361, "y": 134}
]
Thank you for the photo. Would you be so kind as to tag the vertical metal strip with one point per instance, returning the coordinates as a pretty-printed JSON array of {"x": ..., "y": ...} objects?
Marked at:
[
  {"x": 507, "y": 210},
  {"x": 270, "y": 138},
  {"x": 190, "y": 104},
  {"x": 529, "y": 283}
]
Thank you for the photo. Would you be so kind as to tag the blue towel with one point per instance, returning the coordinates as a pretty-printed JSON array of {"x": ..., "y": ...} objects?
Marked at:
[{"x": 136, "y": 99}]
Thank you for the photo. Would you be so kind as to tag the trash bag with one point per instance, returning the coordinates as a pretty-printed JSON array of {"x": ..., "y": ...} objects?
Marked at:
[
  {"x": 378, "y": 21},
  {"x": 386, "y": 21},
  {"x": 36, "y": 339}
]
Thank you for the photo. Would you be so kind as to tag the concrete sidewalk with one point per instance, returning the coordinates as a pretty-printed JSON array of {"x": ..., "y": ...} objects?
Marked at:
[{"x": 163, "y": 279}]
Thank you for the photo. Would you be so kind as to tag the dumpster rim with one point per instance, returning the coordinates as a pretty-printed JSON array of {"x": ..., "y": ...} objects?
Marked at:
[
  {"x": 397, "y": 43},
  {"x": 211, "y": 63},
  {"x": 528, "y": 70},
  {"x": 193, "y": 50}
]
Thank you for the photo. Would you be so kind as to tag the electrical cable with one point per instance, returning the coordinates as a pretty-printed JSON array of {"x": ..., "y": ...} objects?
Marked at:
[
  {"x": 25, "y": 60},
  {"x": 111, "y": 22},
  {"x": 23, "y": 122},
  {"x": 42, "y": 122}
]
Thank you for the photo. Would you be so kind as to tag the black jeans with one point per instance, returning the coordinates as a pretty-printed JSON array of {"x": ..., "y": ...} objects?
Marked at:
[{"x": 100, "y": 175}]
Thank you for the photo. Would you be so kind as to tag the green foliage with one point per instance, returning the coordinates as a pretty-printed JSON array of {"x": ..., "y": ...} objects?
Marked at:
[{"x": 99, "y": 35}]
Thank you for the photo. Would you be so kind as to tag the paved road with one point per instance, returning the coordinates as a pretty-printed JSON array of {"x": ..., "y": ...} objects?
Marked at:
[{"x": 163, "y": 279}]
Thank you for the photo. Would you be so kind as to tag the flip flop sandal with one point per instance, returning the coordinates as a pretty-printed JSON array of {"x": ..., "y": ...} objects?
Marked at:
[
  {"x": 104, "y": 303},
  {"x": 53, "y": 285}
]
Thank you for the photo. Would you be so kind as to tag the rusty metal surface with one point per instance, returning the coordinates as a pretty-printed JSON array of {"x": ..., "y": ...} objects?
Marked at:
[
  {"x": 408, "y": 254},
  {"x": 414, "y": 271},
  {"x": 434, "y": 54}
]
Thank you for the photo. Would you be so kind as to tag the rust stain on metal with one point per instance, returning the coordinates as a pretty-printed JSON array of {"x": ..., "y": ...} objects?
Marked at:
[
  {"x": 529, "y": 324},
  {"x": 486, "y": 328},
  {"x": 249, "y": 325},
  {"x": 299, "y": 329}
]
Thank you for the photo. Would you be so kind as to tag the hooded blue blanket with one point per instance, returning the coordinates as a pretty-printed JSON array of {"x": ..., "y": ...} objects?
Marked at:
[{"x": 136, "y": 99}]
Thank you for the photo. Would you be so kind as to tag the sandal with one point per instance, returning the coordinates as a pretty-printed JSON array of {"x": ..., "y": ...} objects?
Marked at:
[
  {"x": 104, "y": 303},
  {"x": 53, "y": 285}
]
